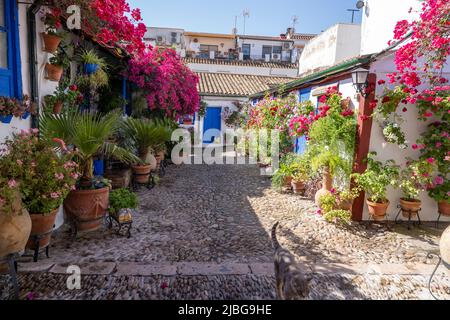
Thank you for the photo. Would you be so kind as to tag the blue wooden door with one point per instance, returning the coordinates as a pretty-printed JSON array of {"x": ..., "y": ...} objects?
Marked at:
[
  {"x": 300, "y": 143},
  {"x": 212, "y": 124},
  {"x": 10, "y": 72}
]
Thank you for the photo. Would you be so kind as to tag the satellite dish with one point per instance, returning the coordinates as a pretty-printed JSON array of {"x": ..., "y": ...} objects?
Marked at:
[{"x": 360, "y": 4}]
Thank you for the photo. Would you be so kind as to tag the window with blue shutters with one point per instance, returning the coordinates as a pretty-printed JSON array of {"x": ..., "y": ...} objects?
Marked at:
[{"x": 10, "y": 70}]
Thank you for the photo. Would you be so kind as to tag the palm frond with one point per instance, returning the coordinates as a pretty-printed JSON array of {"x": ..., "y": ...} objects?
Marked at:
[{"x": 114, "y": 151}]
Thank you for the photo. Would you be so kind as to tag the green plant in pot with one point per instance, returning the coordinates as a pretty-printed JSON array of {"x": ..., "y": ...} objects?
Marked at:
[
  {"x": 145, "y": 135},
  {"x": 375, "y": 181},
  {"x": 282, "y": 178},
  {"x": 89, "y": 135},
  {"x": 53, "y": 34},
  {"x": 440, "y": 192},
  {"x": 38, "y": 161},
  {"x": 413, "y": 179},
  {"x": 121, "y": 203},
  {"x": 300, "y": 175},
  {"x": 56, "y": 66},
  {"x": 91, "y": 61}
]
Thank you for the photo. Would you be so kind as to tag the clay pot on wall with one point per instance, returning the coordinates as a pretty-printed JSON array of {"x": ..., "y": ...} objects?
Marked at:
[
  {"x": 87, "y": 207},
  {"x": 57, "y": 107},
  {"x": 51, "y": 42},
  {"x": 54, "y": 72}
]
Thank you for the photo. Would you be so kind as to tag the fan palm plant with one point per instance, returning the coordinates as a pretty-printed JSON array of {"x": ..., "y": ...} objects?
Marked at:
[
  {"x": 89, "y": 134},
  {"x": 147, "y": 134}
]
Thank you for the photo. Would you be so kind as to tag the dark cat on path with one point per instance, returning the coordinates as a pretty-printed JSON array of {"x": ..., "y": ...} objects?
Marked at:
[{"x": 292, "y": 282}]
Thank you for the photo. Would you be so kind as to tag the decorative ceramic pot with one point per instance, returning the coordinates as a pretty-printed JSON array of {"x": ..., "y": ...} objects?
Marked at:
[
  {"x": 91, "y": 68},
  {"x": 445, "y": 246},
  {"x": 298, "y": 187},
  {"x": 51, "y": 42},
  {"x": 87, "y": 208},
  {"x": 378, "y": 210},
  {"x": 42, "y": 224},
  {"x": 57, "y": 107},
  {"x": 142, "y": 173},
  {"x": 327, "y": 185},
  {"x": 6, "y": 119},
  {"x": 410, "y": 208},
  {"x": 444, "y": 208},
  {"x": 54, "y": 72},
  {"x": 14, "y": 229}
]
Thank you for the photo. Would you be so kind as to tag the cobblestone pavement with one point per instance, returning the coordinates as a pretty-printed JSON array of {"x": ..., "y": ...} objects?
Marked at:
[{"x": 219, "y": 217}]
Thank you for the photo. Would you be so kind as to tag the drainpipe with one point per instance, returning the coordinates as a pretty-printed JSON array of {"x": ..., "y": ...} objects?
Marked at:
[{"x": 34, "y": 94}]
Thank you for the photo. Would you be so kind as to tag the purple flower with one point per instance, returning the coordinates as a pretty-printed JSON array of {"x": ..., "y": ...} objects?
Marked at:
[{"x": 439, "y": 181}]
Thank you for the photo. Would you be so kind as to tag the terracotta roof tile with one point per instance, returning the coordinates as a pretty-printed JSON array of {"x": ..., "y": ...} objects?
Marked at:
[
  {"x": 262, "y": 64},
  {"x": 236, "y": 85}
]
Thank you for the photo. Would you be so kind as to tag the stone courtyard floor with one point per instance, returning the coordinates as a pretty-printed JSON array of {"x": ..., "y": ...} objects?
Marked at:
[{"x": 204, "y": 233}]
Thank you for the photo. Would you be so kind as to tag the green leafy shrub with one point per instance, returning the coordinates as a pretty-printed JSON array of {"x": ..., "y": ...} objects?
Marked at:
[
  {"x": 122, "y": 199},
  {"x": 327, "y": 202},
  {"x": 338, "y": 216},
  {"x": 377, "y": 178},
  {"x": 416, "y": 177}
]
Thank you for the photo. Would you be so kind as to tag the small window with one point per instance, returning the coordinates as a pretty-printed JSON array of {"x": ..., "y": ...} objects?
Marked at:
[{"x": 277, "y": 49}]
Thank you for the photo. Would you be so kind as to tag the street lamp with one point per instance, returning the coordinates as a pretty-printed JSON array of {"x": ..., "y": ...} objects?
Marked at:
[{"x": 360, "y": 77}]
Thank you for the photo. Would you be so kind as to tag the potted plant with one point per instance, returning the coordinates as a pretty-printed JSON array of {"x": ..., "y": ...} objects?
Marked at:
[
  {"x": 91, "y": 61},
  {"x": 440, "y": 192},
  {"x": 52, "y": 36},
  {"x": 327, "y": 202},
  {"x": 38, "y": 161},
  {"x": 65, "y": 97},
  {"x": 56, "y": 66},
  {"x": 300, "y": 175},
  {"x": 416, "y": 177},
  {"x": 9, "y": 108},
  {"x": 89, "y": 135},
  {"x": 375, "y": 181},
  {"x": 145, "y": 135},
  {"x": 121, "y": 204},
  {"x": 345, "y": 198}
]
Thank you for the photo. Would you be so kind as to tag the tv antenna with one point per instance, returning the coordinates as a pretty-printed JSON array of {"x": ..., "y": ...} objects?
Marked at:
[
  {"x": 353, "y": 14},
  {"x": 294, "y": 22},
  {"x": 245, "y": 14}
]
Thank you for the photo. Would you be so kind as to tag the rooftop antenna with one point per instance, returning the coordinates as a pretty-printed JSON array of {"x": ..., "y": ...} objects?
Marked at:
[
  {"x": 294, "y": 23},
  {"x": 353, "y": 14},
  {"x": 235, "y": 30},
  {"x": 245, "y": 14}
]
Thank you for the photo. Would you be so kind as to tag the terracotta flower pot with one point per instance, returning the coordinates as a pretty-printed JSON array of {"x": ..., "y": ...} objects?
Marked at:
[
  {"x": 444, "y": 208},
  {"x": 51, "y": 42},
  {"x": 378, "y": 210},
  {"x": 57, "y": 107},
  {"x": 288, "y": 182},
  {"x": 410, "y": 207},
  {"x": 298, "y": 187},
  {"x": 42, "y": 224},
  {"x": 87, "y": 208},
  {"x": 54, "y": 72},
  {"x": 142, "y": 173},
  {"x": 327, "y": 185},
  {"x": 444, "y": 246},
  {"x": 14, "y": 229},
  {"x": 346, "y": 205}
]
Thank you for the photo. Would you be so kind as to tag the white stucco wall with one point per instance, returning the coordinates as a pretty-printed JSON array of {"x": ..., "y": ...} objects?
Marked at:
[
  {"x": 334, "y": 45},
  {"x": 248, "y": 70},
  {"x": 386, "y": 151},
  {"x": 379, "y": 20}
]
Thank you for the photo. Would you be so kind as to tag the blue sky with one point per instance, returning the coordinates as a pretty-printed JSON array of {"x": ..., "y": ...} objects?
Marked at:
[{"x": 267, "y": 17}]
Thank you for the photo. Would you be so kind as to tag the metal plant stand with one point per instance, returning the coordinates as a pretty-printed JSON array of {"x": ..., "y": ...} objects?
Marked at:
[
  {"x": 149, "y": 185},
  {"x": 36, "y": 239},
  {"x": 74, "y": 223},
  {"x": 411, "y": 213},
  {"x": 162, "y": 167},
  {"x": 430, "y": 256},
  {"x": 112, "y": 219},
  {"x": 11, "y": 260},
  {"x": 439, "y": 219}
]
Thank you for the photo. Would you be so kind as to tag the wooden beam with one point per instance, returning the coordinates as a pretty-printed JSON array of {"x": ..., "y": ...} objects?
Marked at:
[{"x": 363, "y": 141}]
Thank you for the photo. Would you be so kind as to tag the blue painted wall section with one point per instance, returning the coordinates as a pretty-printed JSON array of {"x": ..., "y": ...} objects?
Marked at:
[
  {"x": 11, "y": 77},
  {"x": 300, "y": 143},
  {"x": 213, "y": 120}
]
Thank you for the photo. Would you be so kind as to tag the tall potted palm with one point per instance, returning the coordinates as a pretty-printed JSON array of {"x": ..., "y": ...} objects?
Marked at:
[
  {"x": 146, "y": 136},
  {"x": 88, "y": 135}
]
